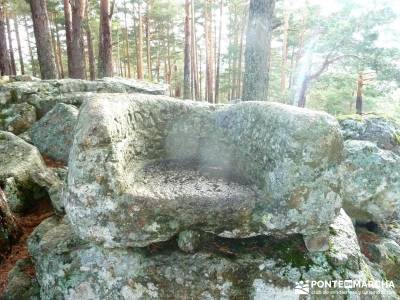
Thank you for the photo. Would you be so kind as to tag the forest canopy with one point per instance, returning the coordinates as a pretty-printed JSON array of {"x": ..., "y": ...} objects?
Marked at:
[{"x": 322, "y": 55}]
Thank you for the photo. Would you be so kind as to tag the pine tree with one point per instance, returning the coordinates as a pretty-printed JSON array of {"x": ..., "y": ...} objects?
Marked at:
[
  {"x": 258, "y": 50},
  {"x": 43, "y": 39},
  {"x": 105, "y": 68}
]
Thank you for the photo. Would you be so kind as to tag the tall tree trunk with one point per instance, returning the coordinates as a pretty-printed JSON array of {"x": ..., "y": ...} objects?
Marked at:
[
  {"x": 186, "y": 65},
  {"x": 303, "y": 92},
  {"x": 168, "y": 57},
  {"x": 258, "y": 50},
  {"x": 53, "y": 42},
  {"x": 10, "y": 46},
  {"x": 229, "y": 75},
  {"x": 193, "y": 44},
  {"x": 200, "y": 62},
  {"x": 43, "y": 40},
  {"x": 217, "y": 79},
  {"x": 140, "y": 47},
  {"x": 359, "y": 98},
  {"x": 292, "y": 58},
  {"x": 119, "y": 64},
  {"x": 177, "y": 92},
  {"x": 148, "y": 49},
  {"x": 68, "y": 33},
  {"x": 240, "y": 64},
  {"x": 21, "y": 57},
  {"x": 89, "y": 41},
  {"x": 235, "y": 60},
  {"x": 82, "y": 44},
  {"x": 105, "y": 68},
  {"x": 33, "y": 62},
  {"x": 77, "y": 51},
  {"x": 284, "y": 49},
  {"x": 209, "y": 51},
  {"x": 59, "y": 51},
  {"x": 5, "y": 68},
  {"x": 158, "y": 62},
  {"x": 128, "y": 56}
]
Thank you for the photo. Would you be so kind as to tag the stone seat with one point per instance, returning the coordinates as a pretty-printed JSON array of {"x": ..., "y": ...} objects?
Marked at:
[
  {"x": 144, "y": 168},
  {"x": 203, "y": 192}
]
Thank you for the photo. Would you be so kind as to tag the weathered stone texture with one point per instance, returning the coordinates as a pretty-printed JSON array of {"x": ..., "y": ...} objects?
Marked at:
[
  {"x": 54, "y": 133},
  {"x": 257, "y": 268},
  {"x": 370, "y": 182},
  {"x": 144, "y": 168}
]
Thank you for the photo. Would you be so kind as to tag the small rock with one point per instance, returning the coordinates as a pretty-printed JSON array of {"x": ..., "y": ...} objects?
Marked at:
[
  {"x": 317, "y": 242},
  {"x": 189, "y": 240},
  {"x": 54, "y": 133},
  {"x": 381, "y": 130},
  {"x": 16, "y": 201},
  {"x": 21, "y": 167},
  {"x": 22, "y": 283},
  {"x": 18, "y": 118}
]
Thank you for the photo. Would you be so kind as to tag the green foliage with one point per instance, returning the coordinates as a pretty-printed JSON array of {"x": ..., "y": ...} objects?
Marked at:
[{"x": 358, "y": 37}]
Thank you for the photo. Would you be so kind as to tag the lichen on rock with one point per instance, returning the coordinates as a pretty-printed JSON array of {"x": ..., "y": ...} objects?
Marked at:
[
  {"x": 52, "y": 137},
  {"x": 69, "y": 268},
  {"x": 370, "y": 182},
  {"x": 143, "y": 168}
]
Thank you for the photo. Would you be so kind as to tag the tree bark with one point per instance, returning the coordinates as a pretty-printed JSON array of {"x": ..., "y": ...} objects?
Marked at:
[
  {"x": 187, "y": 63},
  {"x": 89, "y": 41},
  {"x": 284, "y": 49},
  {"x": 359, "y": 98},
  {"x": 169, "y": 71},
  {"x": 68, "y": 33},
  {"x": 105, "y": 68},
  {"x": 33, "y": 63},
  {"x": 21, "y": 58},
  {"x": 119, "y": 60},
  {"x": 140, "y": 46},
  {"x": 59, "y": 52},
  {"x": 77, "y": 51},
  {"x": 148, "y": 49},
  {"x": 235, "y": 62},
  {"x": 303, "y": 92},
  {"x": 258, "y": 50},
  {"x": 53, "y": 42},
  {"x": 5, "y": 68},
  {"x": 43, "y": 40},
  {"x": 193, "y": 44},
  {"x": 217, "y": 79},
  {"x": 240, "y": 64},
  {"x": 128, "y": 56},
  {"x": 10, "y": 46},
  {"x": 209, "y": 51}
]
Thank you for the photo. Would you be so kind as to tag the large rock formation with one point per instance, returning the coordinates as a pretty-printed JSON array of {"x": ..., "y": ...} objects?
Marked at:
[
  {"x": 255, "y": 268},
  {"x": 21, "y": 102},
  {"x": 20, "y": 162},
  {"x": 370, "y": 182},
  {"x": 381, "y": 130},
  {"x": 17, "y": 118},
  {"x": 144, "y": 168},
  {"x": 23, "y": 172},
  {"x": 54, "y": 133}
]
